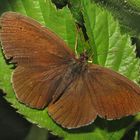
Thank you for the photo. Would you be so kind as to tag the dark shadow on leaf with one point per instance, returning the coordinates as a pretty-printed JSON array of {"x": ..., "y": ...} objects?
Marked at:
[{"x": 110, "y": 126}]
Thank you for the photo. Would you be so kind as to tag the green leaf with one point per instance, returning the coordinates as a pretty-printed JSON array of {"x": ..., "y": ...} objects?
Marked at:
[
  {"x": 128, "y": 13},
  {"x": 136, "y": 135},
  {"x": 113, "y": 49},
  {"x": 104, "y": 36}
]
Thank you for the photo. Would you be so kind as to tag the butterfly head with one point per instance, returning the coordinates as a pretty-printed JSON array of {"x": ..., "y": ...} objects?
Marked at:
[{"x": 83, "y": 57}]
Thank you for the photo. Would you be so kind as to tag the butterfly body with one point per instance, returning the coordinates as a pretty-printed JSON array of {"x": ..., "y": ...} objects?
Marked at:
[
  {"x": 75, "y": 68},
  {"x": 48, "y": 74}
]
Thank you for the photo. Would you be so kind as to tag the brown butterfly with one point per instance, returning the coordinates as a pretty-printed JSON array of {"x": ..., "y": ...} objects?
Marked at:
[{"x": 48, "y": 74}]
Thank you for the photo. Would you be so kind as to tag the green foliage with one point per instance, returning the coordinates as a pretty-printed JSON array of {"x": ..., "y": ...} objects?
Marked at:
[
  {"x": 110, "y": 49},
  {"x": 128, "y": 13}
]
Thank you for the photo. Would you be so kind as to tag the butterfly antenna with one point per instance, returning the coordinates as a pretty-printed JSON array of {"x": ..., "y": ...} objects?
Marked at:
[
  {"x": 76, "y": 43},
  {"x": 90, "y": 55}
]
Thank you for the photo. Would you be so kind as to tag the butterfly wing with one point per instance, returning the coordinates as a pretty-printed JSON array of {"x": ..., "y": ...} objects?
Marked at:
[
  {"x": 26, "y": 40},
  {"x": 41, "y": 58},
  {"x": 96, "y": 91},
  {"x": 75, "y": 107},
  {"x": 115, "y": 95}
]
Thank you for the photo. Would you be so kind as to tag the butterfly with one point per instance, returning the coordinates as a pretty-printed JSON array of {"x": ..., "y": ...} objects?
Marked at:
[{"x": 48, "y": 74}]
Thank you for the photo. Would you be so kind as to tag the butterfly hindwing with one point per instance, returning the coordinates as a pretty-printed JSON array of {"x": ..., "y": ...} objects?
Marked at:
[
  {"x": 36, "y": 88},
  {"x": 75, "y": 108},
  {"x": 115, "y": 95}
]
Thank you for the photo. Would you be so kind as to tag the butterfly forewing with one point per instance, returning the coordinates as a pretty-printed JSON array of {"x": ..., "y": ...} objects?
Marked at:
[{"x": 25, "y": 40}]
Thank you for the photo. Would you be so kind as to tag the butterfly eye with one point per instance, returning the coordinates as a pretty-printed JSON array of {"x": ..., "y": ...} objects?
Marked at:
[{"x": 83, "y": 57}]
